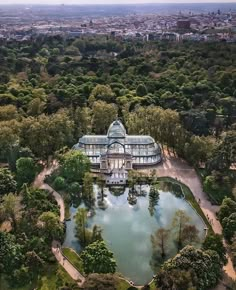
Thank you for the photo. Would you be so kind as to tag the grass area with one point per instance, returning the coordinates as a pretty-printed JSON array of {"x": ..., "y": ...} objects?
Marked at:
[
  {"x": 123, "y": 285},
  {"x": 74, "y": 258},
  {"x": 190, "y": 198},
  {"x": 153, "y": 286},
  {"x": 53, "y": 279},
  {"x": 5, "y": 286}
]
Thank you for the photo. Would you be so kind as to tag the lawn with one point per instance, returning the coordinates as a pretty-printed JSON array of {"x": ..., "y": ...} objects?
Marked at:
[
  {"x": 74, "y": 258},
  {"x": 54, "y": 278}
]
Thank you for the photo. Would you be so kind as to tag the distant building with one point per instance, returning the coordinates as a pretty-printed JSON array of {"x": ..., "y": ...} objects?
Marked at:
[
  {"x": 75, "y": 33},
  {"x": 183, "y": 24}
]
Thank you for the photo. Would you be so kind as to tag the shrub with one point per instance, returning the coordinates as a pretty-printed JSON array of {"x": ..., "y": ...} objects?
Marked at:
[
  {"x": 74, "y": 187},
  {"x": 59, "y": 183}
]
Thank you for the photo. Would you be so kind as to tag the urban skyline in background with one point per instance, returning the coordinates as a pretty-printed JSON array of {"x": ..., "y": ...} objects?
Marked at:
[{"x": 107, "y": 2}]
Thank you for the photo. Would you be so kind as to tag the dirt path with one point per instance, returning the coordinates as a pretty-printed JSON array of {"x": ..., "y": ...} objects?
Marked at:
[
  {"x": 56, "y": 246},
  {"x": 179, "y": 169}
]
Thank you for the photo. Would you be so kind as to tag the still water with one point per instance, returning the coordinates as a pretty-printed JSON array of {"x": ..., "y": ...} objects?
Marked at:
[{"x": 127, "y": 229}]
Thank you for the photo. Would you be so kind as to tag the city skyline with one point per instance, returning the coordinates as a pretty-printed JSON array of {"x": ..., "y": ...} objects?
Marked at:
[{"x": 109, "y": 2}]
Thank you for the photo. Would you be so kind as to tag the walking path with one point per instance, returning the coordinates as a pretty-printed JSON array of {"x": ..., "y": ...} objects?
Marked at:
[
  {"x": 56, "y": 246},
  {"x": 178, "y": 168}
]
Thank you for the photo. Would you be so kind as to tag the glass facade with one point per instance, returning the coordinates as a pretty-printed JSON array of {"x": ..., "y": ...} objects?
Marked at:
[{"x": 119, "y": 150}]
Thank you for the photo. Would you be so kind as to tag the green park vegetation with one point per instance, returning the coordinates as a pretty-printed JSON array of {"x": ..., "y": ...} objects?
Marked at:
[
  {"x": 25, "y": 253},
  {"x": 53, "y": 91},
  {"x": 74, "y": 258},
  {"x": 183, "y": 273}
]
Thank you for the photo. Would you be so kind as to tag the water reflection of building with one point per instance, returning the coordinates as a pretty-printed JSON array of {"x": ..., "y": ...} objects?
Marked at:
[{"x": 118, "y": 152}]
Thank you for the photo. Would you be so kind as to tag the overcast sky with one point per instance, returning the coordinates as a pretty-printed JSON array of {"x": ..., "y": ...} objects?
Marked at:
[{"x": 107, "y": 1}]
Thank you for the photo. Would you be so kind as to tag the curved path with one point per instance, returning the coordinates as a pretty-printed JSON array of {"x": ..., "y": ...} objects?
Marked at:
[
  {"x": 56, "y": 246},
  {"x": 180, "y": 170}
]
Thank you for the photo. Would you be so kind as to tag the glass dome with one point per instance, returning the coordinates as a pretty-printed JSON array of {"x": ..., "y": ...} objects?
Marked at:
[{"x": 116, "y": 130}]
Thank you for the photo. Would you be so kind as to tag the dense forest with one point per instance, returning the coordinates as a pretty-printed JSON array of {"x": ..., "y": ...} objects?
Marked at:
[{"x": 54, "y": 90}]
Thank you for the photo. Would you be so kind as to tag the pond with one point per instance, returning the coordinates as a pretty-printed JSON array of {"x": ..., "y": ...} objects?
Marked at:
[{"x": 127, "y": 229}]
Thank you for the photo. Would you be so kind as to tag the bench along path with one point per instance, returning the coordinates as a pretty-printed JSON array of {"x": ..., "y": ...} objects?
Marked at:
[
  {"x": 56, "y": 246},
  {"x": 177, "y": 168}
]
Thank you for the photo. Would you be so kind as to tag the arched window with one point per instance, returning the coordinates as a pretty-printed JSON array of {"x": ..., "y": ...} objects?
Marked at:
[{"x": 116, "y": 148}]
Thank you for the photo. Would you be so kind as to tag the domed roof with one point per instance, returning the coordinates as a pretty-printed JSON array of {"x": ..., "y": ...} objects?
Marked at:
[{"x": 116, "y": 130}]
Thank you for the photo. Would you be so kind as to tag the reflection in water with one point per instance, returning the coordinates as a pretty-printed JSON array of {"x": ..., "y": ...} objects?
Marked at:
[{"x": 127, "y": 229}]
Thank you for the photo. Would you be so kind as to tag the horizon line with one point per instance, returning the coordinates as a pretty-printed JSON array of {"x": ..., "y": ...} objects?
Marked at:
[{"x": 111, "y": 4}]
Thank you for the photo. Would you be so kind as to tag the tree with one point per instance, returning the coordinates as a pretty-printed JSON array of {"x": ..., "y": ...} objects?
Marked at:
[
  {"x": 203, "y": 270},
  {"x": 101, "y": 183},
  {"x": 8, "y": 138},
  {"x": 74, "y": 165},
  {"x": 103, "y": 115},
  {"x": 141, "y": 90},
  {"x": 218, "y": 185},
  {"x": 132, "y": 180},
  {"x": 36, "y": 107},
  {"x": 51, "y": 226},
  {"x": 101, "y": 92},
  {"x": 10, "y": 208},
  {"x": 100, "y": 281},
  {"x": 159, "y": 240},
  {"x": 214, "y": 242},
  {"x": 59, "y": 183},
  {"x": 45, "y": 135},
  {"x": 34, "y": 262},
  {"x": 26, "y": 170},
  {"x": 190, "y": 234},
  {"x": 179, "y": 222},
  {"x": 227, "y": 207},
  {"x": 198, "y": 149},
  {"x": 82, "y": 120},
  {"x": 10, "y": 253},
  {"x": 8, "y": 112},
  {"x": 96, "y": 234},
  {"x": 154, "y": 196},
  {"x": 175, "y": 280},
  {"x": 98, "y": 259},
  {"x": 81, "y": 221},
  {"x": 7, "y": 182},
  {"x": 229, "y": 226},
  {"x": 88, "y": 194}
]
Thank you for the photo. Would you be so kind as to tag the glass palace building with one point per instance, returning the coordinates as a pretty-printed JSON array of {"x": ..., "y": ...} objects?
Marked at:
[{"x": 119, "y": 151}]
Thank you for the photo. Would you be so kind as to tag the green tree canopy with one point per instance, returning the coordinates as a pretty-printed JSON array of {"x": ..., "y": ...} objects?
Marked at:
[
  {"x": 7, "y": 182},
  {"x": 229, "y": 226},
  {"x": 74, "y": 165},
  {"x": 26, "y": 170},
  {"x": 103, "y": 115},
  {"x": 214, "y": 242},
  {"x": 11, "y": 255},
  {"x": 227, "y": 207},
  {"x": 98, "y": 259},
  {"x": 203, "y": 267},
  {"x": 103, "y": 93},
  {"x": 51, "y": 226}
]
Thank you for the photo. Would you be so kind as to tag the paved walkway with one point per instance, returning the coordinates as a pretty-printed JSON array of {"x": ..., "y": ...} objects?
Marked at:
[
  {"x": 56, "y": 246},
  {"x": 177, "y": 168}
]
